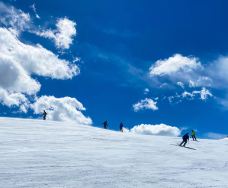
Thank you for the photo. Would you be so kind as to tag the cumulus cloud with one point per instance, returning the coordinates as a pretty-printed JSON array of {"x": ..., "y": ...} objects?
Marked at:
[
  {"x": 181, "y": 69},
  {"x": 187, "y": 72},
  {"x": 19, "y": 62},
  {"x": 35, "y": 59},
  {"x": 63, "y": 34},
  {"x": 174, "y": 64},
  {"x": 146, "y": 103},
  {"x": 161, "y": 129},
  {"x": 61, "y": 109},
  {"x": 14, "y": 18},
  {"x": 14, "y": 99},
  {"x": 18, "y": 20}
]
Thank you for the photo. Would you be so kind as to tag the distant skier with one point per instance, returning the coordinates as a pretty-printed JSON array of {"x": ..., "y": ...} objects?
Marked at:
[
  {"x": 185, "y": 139},
  {"x": 105, "y": 124},
  {"x": 121, "y": 127},
  {"x": 44, "y": 115},
  {"x": 193, "y": 134}
]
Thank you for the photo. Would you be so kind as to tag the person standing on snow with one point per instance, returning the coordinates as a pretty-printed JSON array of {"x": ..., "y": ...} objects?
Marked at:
[
  {"x": 121, "y": 127},
  {"x": 105, "y": 124},
  {"x": 193, "y": 135},
  {"x": 44, "y": 115},
  {"x": 185, "y": 140}
]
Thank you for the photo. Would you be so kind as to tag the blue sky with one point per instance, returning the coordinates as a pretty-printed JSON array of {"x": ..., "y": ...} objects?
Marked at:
[{"x": 119, "y": 41}]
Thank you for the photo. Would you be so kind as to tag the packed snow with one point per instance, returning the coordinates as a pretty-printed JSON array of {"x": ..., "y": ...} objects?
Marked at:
[{"x": 36, "y": 153}]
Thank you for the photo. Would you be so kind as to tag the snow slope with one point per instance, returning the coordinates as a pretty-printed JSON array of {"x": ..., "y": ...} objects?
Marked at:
[{"x": 36, "y": 153}]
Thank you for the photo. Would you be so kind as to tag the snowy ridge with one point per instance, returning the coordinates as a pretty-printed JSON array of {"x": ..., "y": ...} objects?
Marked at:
[{"x": 36, "y": 153}]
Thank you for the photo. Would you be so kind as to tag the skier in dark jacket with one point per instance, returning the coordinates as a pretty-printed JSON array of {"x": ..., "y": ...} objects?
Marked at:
[
  {"x": 105, "y": 124},
  {"x": 44, "y": 115},
  {"x": 121, "y": 127},
  {"x": 185, "y": 139}
]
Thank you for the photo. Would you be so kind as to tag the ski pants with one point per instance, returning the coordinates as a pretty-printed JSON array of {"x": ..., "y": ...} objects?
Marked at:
[
  {"x": 184, "y": 142},
  {"x": 194, "y": 138}
]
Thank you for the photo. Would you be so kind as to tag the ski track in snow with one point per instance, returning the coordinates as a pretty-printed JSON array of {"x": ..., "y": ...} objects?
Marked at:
[{"x": 36, "y": 153}]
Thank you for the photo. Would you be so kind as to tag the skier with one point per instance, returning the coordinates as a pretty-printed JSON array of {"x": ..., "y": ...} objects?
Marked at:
[
  {"x": 44, "y": 115},
  {"x": 185, "y": 139},
  {"x": 121, "y": 127},
  {"x": 105, "y": 124},
  {"x": 193, "y": 135}
]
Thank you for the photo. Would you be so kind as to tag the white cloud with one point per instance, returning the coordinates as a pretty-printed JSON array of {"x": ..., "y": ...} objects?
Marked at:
[
  {"x": 14, "y": 18},
  {"x": 189, "y": 74},
  {"x": 186, "y": 94},
  {"x": 18, "y": 61},
  {"x": 33, "y": 7},
  {"x": 220, "y": 68},
  {"x": 204, "y": 93},
  {"x": 218, "y": 71},
  {"x": 146, "y": 103},
  {"x": 63, "y": 34},
  {"x": 146, "y": 91},
  {"x": 181, "y": 69},
  {"x": 33, "y": 59},
  {"x": 18, "y": 20},
  {"x": 161, "y": 129},
  {"x": 14, "y": 99},
  {"x": 174, "y": 64},
  {"x": 188, "y": 71},
  {"x": 180, "y": 84},
  {"x": 61, "y": 109},
  {"x": 201, "y": 81}
]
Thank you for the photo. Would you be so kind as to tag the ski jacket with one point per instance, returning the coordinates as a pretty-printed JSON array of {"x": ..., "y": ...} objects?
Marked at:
[
  {"x": 193, "y": 133},
  {"x": 185, "y": 137}
]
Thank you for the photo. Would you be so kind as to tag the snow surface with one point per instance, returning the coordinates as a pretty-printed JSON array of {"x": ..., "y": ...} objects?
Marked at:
[{"x": 36, "y": 153}]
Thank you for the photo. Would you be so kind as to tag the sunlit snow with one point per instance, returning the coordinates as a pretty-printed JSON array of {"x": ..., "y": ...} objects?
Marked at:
[{"x": 36, "y": 153}]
